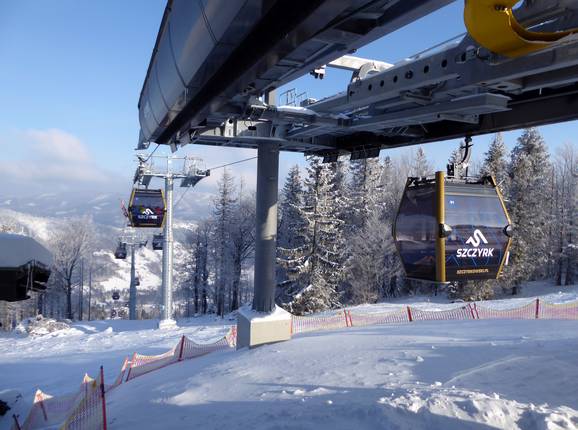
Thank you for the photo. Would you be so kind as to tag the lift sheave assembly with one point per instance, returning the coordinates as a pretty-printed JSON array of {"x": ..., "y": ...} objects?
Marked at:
[
  {"x": 450, "y": 230},
  {"x": 146, "y": 208}
]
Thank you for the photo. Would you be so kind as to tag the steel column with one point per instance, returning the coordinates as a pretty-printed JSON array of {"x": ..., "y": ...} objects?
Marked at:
[
  {"x": 132, "y": 291},
  {"x": 168, "y": 251},
  {"x": 266, "y": 226}
]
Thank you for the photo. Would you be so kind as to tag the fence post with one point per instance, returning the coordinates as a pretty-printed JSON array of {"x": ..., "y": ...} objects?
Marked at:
[
  {"x": 102, "y": 398},
  {"x": 130, "y": 368},
  {"x": 346, "y": 320},
  {"x": 537, "y": 308},
  {"x": 41, "y": 401},
  {"x": 181, "y": 348},
  {"x": 16, "y": 423},
  {"x": 409, "y": 314},
  {"x": 350, "y": 320},
  {"x": 472, "y": 311}
]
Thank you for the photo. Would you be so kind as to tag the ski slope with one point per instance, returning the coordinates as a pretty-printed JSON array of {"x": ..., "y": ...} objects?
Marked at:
[{"x": 425, "y": 375}]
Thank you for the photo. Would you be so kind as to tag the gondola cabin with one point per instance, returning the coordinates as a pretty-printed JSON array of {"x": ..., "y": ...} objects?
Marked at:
[
  {"x": 450, "y": 230},
  {"x": 146, "y": 208},
  {"x": 24, "y": 267},
  {"x": 120, "y": 251},
  {"x": 158, "y": 242},
  {"x": 115, "y": 295}
]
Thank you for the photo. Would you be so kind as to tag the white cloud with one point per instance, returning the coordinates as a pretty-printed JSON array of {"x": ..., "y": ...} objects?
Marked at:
[
  {"x": 58, "y": 145},
  {"x": 41, "y": 159}
]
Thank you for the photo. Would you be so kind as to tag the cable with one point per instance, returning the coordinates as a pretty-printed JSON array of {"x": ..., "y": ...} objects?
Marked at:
[
  {"x": 182, "y": 195},
  {"x": 151, "y": 154},
  {"x": 212, "y": 168},
  {"x": 230, "y": 164}
]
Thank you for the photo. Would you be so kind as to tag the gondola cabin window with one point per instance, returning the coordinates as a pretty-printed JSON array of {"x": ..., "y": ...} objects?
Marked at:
[
  {"x": 416, "y": 231},
  {"x": 478, "y": 242}
]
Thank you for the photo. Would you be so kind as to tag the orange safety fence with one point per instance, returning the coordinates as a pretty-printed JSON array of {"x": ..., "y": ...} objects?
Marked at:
[
  {"x": 359, "y": 319},
  {"x": 304, "y": 324},
  {"x": 81, "y": 410},
  {"x": 86, "y": 409},
  {"x": 525, "y": 312},
  {"x": 567, "y": 311},
  {"x": 184, "y": 350},
  {"x": 461, "y": 313},
  {"x": 90, "y": 412},
  {"x": 343, "y": 318}
]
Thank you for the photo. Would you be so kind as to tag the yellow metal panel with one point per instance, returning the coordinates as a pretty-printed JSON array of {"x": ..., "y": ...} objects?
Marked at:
[
  {"x": 493, "y": 25},
  {"x": 441, "y": 219}
]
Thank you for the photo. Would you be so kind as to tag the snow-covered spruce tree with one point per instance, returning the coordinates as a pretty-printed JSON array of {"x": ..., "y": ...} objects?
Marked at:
[
  {"x": 455, "y": 158},
  {"x": 393, "y": 179},
  {"x": 495, "y": 162},
  {"x": 242, "y": 234},
  {"x": 366, "y": 235},
  {"x": 364, "y": 191},
  {"x": 316, "y": 267},
  {"x": 420, "y": 165},
  {"x": 224, "y": 206},
  {"x": 529, "y": 174},
  {"x": 199, "y": 271},
  {"x": 563, "y": 230},
  {"x": 290, "y": 235},
  {"x": 372, "y": 269}
]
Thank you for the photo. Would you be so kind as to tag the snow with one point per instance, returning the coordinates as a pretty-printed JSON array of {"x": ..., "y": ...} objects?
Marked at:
[
  {"x": 279, "y": 314},
  {"x": 17, "y": 250},
  {"x": 296, "y": 109},
  {"x": 480, "y": 374}
]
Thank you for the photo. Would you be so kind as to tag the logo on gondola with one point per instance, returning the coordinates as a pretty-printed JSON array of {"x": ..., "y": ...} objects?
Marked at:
[
  {"x": 475, "y": 240},
  {"x": 148, "y": 211}
]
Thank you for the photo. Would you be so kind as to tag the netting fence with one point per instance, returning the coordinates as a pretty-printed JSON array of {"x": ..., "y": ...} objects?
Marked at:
[
  {"x": 86, "y": 408},
  {"x": 344, "y": 318}
]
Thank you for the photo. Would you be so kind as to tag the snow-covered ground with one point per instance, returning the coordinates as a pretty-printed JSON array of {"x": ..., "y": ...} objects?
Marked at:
[{"x": 424, "y": 375}]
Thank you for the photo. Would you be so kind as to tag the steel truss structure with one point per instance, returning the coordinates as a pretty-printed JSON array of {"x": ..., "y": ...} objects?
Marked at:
[{"x": 456, "y": 89}]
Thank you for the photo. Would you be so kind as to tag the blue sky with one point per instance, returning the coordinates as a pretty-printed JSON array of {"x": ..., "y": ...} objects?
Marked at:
[{"x": 70, "y": 78}]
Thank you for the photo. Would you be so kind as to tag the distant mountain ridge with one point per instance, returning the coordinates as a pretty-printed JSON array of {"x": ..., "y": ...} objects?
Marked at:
[
  {"x": 110, "y": 274},
  {"x": 104, "y": 208}
]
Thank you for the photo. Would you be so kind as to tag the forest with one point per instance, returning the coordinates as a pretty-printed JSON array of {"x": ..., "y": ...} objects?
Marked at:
[{"x": 334, "y": 244}]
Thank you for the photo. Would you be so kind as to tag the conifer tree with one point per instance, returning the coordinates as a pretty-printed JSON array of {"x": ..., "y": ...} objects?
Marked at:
[
  {"x": 420, "y": 166},
  {"x": 528, "y": 172},
  {"x": 316, "y": 267},
  {"x": 363, "y": 191},
  {"x": 495, "y": 162},
  {"x": 223, "y": 208}
]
